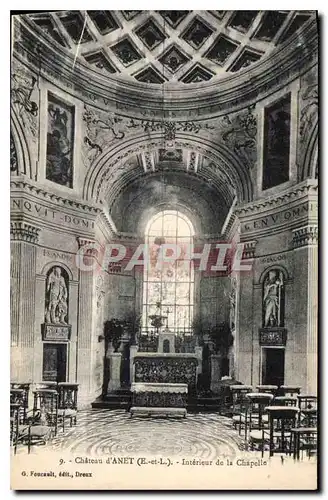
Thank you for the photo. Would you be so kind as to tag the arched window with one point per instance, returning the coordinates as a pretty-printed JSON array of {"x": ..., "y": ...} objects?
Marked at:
[{"x": 168, "y": 288}]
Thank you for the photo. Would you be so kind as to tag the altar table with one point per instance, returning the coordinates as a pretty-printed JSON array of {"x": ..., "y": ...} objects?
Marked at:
[{"x": 162, "y": 399}]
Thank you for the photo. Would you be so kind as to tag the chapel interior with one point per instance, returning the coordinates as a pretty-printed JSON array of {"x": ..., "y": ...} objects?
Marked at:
[{"x": 188, "y": 135}]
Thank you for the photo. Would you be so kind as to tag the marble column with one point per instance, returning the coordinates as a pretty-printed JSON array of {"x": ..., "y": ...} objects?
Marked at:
[
  {"x": 305, "y": 240},
  {"x": 86, "y": 326},
  {"x": 23, "y": 274}
]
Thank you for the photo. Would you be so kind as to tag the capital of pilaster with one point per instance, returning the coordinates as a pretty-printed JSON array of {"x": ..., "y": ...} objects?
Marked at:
[
  {"x": 21, "y": 231},
  {"x": 249, "y": 249},
  {"x": 306, "y": 235},
  {"x": 82, "y": 242}
]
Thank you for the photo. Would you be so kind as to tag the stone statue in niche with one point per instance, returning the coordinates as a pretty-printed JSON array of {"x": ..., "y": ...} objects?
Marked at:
[
  {"x": 57, "y": 298},
  {"x": 273, "y": 303}
]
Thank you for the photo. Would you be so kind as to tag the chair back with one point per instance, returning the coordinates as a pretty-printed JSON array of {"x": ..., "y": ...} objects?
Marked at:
[
  {"x": 238, "y": 393},
  {"x": 284, "y": 401},
  {"x": 20, "y": 396},
  {"x": 255, "y": 410},
  {"x": 308, "y": 416},
  {"x": 68, "y": 395},
  {"x": 281, "y": 420},
  {"x": 307, "y": 402},
  {"x": 46, "y": 401}
]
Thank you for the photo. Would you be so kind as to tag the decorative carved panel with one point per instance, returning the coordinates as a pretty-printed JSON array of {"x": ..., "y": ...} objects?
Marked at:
[
  {"x": 56, "y": 333},
  {"x": 273, "y": 336},
  {"x": 159, "y": 399},
  {"x": 166, "y": 370}
]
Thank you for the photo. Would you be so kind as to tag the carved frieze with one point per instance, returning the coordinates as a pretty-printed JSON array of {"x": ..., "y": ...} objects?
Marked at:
[
  {"x": 309, "y": 101},
  {"x": 239, "y": 132},
  {"x": 308, "y": 104},
  {"x": 159, "y": 399},
  {"x": 166, "y": 370},
  {"x": 100, "y": 129},
  {"x": 13, "y": 156}
]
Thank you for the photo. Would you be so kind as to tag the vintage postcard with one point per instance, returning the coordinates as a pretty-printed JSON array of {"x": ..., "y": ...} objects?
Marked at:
[{"x": 164, "y": 249}]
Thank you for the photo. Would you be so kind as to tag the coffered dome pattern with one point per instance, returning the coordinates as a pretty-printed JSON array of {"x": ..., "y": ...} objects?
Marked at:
[{"x": 179, "y": 46}]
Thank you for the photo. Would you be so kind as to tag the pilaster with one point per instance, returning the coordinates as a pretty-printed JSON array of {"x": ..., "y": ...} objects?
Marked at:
[
  {"x": 23, "y": 271},
  {"x": 305, "y": 243},
  {"x": 85, "y": 325}
]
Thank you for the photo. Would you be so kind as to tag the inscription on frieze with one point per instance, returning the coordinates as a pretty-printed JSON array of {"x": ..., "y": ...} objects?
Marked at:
[
  {"x": 48, "y": 214},
  {"x": 280, "y": 217}
]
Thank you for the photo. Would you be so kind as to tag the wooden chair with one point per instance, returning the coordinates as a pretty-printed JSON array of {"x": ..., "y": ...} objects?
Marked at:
[
  {"x": 14, "y": 423},
  {"x": 304, "y": 439},
  {"x": 20, "y": 396},
  {"x": 44, "y": 421},
  {"x": 239, "y": 402},
  {"x": 308, "y": 416},
  {"x": 67, "y": 407},
  {"x": 257, "y": 418},
  {"x": 285, "y": 401},
  {"x": 281, "y": 420}
]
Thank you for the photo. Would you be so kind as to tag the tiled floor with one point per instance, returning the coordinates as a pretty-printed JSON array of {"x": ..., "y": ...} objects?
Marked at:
[{"x": 113, "y": 432}]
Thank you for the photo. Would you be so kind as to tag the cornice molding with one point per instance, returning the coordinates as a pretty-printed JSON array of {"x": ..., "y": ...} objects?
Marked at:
[
  {"x": 58, "y": 200},
  {"x": 129, "y": 98},
  {"x": 308, "y": 187},
  {"x": 304, "y": 236},
  {"x": 21, "y": 231}
]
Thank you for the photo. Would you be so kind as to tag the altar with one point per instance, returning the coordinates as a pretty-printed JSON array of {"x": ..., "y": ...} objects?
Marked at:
[
  {"x": 162, "y": 380},
  {"x": 149, "y": 399}
]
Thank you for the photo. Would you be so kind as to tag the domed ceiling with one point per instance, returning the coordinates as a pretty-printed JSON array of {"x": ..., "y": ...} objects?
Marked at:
[{"x": 178, "y": 46}]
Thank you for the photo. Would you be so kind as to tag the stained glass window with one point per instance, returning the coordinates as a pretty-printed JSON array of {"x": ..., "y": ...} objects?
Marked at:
[{"x": 168, "y": 287}]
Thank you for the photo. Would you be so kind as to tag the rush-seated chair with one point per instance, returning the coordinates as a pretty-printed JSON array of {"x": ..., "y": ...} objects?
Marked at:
[
  {"x": 282, "y": 419},
  {"x": 308, "y": 416},
  {"x": 239, "y": 403},
  {"x": 257, "y": 419},
  {"x": 67, "y": 407}
]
